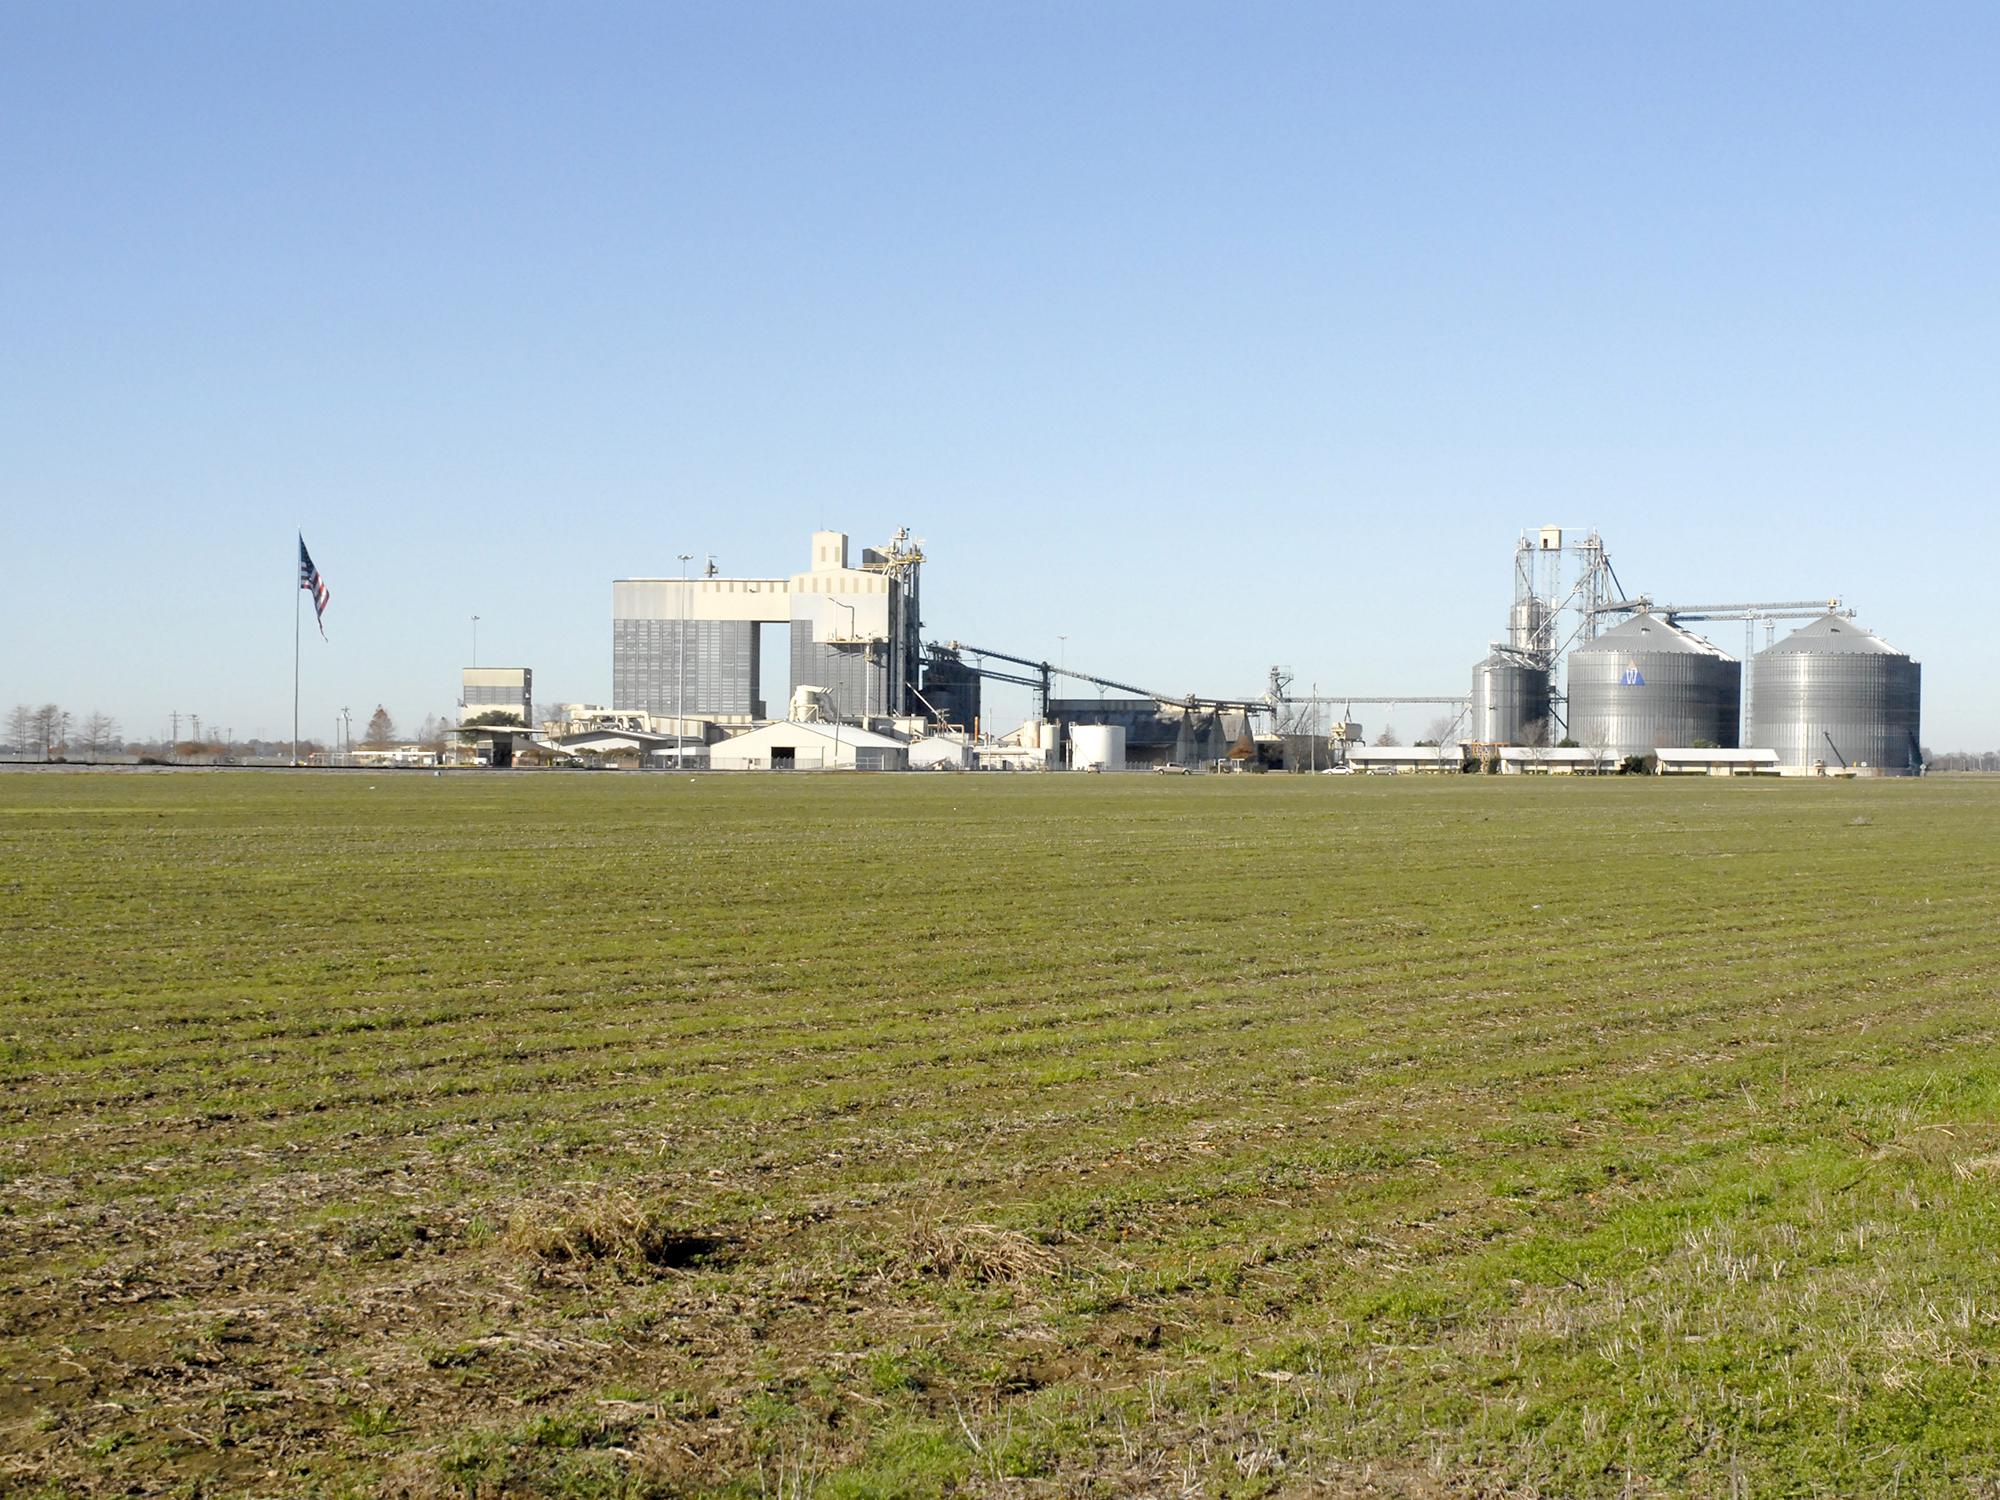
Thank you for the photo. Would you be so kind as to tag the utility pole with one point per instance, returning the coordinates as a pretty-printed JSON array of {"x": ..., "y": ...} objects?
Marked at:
[{"x": 175, "y": 738}]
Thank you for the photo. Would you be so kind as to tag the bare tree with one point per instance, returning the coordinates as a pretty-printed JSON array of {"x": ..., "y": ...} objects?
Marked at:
[
  {"x": 547, "y": 715},
  {"x": 1387, "y": 737},
  {"x": 20, "y": 729},
  {"x": 1596, "y": 738},
  {"x": 51, "y": 724},
  {"x": 99, "y": 731},
  {"x": 381, "y": 729}
]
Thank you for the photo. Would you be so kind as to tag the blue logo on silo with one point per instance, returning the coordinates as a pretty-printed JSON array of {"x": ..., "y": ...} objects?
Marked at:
[{"x": 1631, "y": 676}]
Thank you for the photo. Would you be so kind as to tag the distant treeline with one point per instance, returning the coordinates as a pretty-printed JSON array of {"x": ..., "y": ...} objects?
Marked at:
[{"x": 1963, "y": 760}]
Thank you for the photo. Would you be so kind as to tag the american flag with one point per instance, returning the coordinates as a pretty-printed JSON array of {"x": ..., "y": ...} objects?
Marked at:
[{"x": 313, "y": 584}]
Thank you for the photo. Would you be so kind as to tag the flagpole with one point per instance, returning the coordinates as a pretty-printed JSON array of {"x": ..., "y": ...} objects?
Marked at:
[{"x": 296, "y": 591}]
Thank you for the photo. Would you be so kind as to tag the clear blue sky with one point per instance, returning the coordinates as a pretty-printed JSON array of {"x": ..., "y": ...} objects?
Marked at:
[{"x": 1208, "y": 336}]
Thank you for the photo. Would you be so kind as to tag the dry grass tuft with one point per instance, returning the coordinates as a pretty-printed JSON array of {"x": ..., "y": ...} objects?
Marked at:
[
  {"x": 615, "y": 1227},
  {"x": 978, "y": 1252}
]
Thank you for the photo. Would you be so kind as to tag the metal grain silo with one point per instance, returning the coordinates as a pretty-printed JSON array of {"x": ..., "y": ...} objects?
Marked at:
[
  {"x": 1527, "y": 624},
  {"x": 1510, "y": 700},
  {"x": 1646, "y": 684},
  {"x": 1833, "y": 693}
]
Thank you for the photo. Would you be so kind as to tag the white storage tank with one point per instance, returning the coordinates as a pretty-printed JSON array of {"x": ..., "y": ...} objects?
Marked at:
[{"x": 1097, "y": 746}]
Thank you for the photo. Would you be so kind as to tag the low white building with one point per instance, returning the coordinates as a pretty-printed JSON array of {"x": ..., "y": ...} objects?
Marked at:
[
  {"x": 941, "y": 752},
  {"x": 1569, "y": 760},
  {"x": 1379, "y": 759},
  {"x": 393, "y": 755},
  {"x": 1004, "y": 757},
  {"x": 1713, "y": 762},
  {"x": 792, "y": 746}
]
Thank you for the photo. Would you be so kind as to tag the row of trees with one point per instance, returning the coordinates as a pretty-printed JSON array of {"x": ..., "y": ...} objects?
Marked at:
[
  {"x": 431, "y": 733},
  {"x": 45, "y": 733},
  {"x": 382, "y": 731},
  {"x": 1962, "y": 760},
  {"x": 52, "y": 732}
]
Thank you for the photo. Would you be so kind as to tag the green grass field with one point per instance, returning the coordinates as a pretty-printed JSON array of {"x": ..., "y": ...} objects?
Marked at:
[{"x": 629, "y": 1135}]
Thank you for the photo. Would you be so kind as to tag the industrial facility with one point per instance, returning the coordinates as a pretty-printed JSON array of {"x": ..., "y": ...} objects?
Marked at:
[
  {"x": 691, "y": 648},
  {"x": 1587, "y": 680},
  {"x": 1586, "y": 667},
  {"x": 1832, "y": 693}
]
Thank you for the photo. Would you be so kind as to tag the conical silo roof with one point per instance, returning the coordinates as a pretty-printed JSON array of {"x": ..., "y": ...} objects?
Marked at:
[
  {"x": 1648, "y": 632},
  {"x": 1832, "y": 636}
]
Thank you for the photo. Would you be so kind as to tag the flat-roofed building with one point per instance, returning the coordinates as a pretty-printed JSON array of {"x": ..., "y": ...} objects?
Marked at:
[
  {"x": 1704, "y": 760},
  {"x": 486, "y": 690}
]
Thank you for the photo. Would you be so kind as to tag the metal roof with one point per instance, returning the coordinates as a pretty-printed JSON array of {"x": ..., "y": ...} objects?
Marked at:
[
  {"x": 793, "y": 730},
  {"x": 1559, "y": 755},
  {"x": 1832, "y": 636},
  {"x": 1414, "y": 755},
  {"x": 1718, "y": 755},
  {"x": 1645, "y": 632}
]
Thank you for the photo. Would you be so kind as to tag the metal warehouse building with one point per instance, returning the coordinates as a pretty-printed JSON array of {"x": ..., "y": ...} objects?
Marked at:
[{"x": 792, "y": 746}]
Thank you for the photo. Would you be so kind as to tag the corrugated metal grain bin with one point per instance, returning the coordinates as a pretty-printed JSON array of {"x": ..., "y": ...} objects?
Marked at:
[
  {"x": 1646, "y": 684},
  {"x": 1831, "y": 693},
  {"x": 1510, "y": 700}
]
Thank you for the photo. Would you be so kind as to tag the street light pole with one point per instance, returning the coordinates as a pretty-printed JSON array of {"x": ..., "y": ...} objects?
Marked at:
[
  {"x": 475, "y": 640},
  {"x": 680, "y": 664}
]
